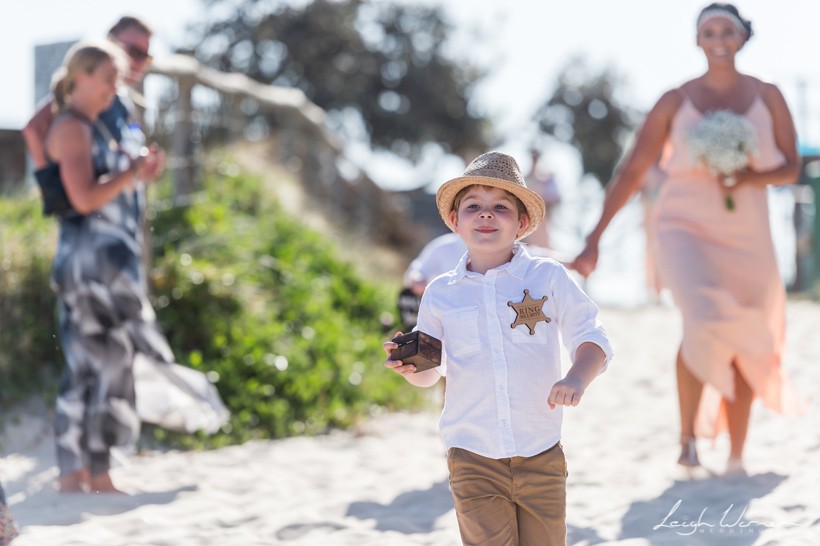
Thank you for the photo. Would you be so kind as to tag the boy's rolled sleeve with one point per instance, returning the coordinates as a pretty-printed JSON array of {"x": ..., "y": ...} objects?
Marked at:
[{"x": 578, "y": 318}]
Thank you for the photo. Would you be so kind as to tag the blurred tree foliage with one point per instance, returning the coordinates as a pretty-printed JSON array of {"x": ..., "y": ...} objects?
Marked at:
[
  {"x": 583, "y": 111},
  {"x": 378, "y": 67}
]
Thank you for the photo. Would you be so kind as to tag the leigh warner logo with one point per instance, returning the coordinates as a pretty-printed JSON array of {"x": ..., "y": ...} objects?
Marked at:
[{"x": 730, "y": 521}]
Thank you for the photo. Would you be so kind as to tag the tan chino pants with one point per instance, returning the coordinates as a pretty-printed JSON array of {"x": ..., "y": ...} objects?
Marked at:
[{"x": 520, "y": 501}]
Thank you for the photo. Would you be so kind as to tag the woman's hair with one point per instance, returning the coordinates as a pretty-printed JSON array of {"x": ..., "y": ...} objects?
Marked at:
[
  {"x": 82, "y": 57},
  {"x": 522, "y": 210},
  {"x": 733, "y": 11},
  {"x": 126, "y": 22}
]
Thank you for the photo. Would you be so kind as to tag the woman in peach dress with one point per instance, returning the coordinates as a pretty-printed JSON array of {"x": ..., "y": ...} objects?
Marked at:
[{"x": 719, "y": 263}]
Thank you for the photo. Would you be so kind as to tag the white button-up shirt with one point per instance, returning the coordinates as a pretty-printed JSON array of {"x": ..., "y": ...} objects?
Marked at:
[{"x": 499, "y": 377}]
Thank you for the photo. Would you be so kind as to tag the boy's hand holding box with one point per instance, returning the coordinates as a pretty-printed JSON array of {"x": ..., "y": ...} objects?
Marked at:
[{"x": 419, "y": 349}]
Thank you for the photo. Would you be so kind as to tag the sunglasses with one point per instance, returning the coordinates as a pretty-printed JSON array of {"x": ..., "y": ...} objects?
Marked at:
[{"x": 136, "y": 53}]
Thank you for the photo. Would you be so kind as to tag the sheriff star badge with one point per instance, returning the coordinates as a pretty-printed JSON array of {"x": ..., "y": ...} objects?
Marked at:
[{"x": 529, "y": 312}]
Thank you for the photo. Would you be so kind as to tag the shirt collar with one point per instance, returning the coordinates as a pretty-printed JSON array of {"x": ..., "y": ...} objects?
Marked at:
[
  {"x": 517, "y": 267},
  {"x": 520, "y": 263}
]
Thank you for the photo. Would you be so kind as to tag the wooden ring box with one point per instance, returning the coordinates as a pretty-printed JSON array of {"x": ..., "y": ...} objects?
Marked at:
[{"x": 417, "y": 348}]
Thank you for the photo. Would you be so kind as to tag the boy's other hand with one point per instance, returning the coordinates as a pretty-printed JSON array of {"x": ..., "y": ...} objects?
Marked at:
[{"x": 567, "y": 392}]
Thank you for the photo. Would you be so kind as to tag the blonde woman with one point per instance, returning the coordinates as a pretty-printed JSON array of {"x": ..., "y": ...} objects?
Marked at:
[{"x": 97, "y": 271}]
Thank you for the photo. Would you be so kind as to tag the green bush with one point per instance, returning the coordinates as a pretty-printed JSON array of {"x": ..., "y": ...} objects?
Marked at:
[
  {"x": 30, "y": 355},
  {"x": 290, "y": 334}
]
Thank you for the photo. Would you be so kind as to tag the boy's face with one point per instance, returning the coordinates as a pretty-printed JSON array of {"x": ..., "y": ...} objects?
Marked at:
[{"x": 487, "y": 219}]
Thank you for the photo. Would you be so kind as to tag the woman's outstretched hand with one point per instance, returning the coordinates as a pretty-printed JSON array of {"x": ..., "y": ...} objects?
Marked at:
[{"x": 586, "y": 261}]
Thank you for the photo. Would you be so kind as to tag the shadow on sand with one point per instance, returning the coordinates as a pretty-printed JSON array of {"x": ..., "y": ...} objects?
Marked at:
[
  {"x": 48, "y": 507},
  {"x": 707, "y": 511},
  {"x": 410, "y": 512}
]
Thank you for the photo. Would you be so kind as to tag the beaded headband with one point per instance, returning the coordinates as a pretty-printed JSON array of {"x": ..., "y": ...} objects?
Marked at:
[{"x": 720, "y": 12}]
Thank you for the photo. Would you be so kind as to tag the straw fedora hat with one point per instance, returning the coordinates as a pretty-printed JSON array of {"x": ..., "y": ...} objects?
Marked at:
[{"x": 498, "y": 170}]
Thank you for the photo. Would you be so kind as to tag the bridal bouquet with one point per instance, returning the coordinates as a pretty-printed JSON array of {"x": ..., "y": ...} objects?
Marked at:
[{"x": 723, "y": 141}]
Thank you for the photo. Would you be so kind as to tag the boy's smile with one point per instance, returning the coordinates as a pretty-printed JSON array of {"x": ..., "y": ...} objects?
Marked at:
[{"x": 486, "y": 229}]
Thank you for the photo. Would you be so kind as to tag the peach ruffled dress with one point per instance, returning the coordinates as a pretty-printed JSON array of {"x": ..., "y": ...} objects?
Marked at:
[{"x": 721, "y": 269}]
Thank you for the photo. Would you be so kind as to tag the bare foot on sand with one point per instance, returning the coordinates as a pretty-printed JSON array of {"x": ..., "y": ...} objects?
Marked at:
[
  {"x": 735, "y": 468},
  {"x": 74, "y": 482},
  {"x": 101, "y": 483}
]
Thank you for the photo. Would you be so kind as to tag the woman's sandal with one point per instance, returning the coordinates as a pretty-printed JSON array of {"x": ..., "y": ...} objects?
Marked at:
[{"x": 688, "y": 452}]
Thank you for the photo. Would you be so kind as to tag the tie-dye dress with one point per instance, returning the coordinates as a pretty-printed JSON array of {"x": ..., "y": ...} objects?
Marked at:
[{"x": 105, "y": 318}]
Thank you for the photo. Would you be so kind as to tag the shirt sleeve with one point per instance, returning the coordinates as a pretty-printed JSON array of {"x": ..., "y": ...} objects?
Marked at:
[
  {"x": 420, "y": 268},
  {"x": 429, "y": 322},
  {"x": 578, "y": 319},
  {"x": 413, "y": 273}
]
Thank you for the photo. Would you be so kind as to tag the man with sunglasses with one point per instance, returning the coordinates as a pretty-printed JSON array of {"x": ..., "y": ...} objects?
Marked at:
[{"x": 134, "y": 37}]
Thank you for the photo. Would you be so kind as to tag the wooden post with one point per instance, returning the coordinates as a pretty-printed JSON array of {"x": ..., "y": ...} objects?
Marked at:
[
  {"x": 182, "y": 141},
  {"x": 306, "y": 146},
  {"x": 804, "y": 220}
]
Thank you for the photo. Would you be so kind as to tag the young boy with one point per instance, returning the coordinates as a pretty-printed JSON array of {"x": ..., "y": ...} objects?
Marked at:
[{"x": 500, "y": 314}]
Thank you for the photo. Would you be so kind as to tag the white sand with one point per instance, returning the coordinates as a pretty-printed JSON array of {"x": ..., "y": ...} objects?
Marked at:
[{"x": 386, "y": 484}]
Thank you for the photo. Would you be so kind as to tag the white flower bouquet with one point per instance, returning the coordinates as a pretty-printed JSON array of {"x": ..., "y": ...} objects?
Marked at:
[{"x": 723, "y": 141}]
